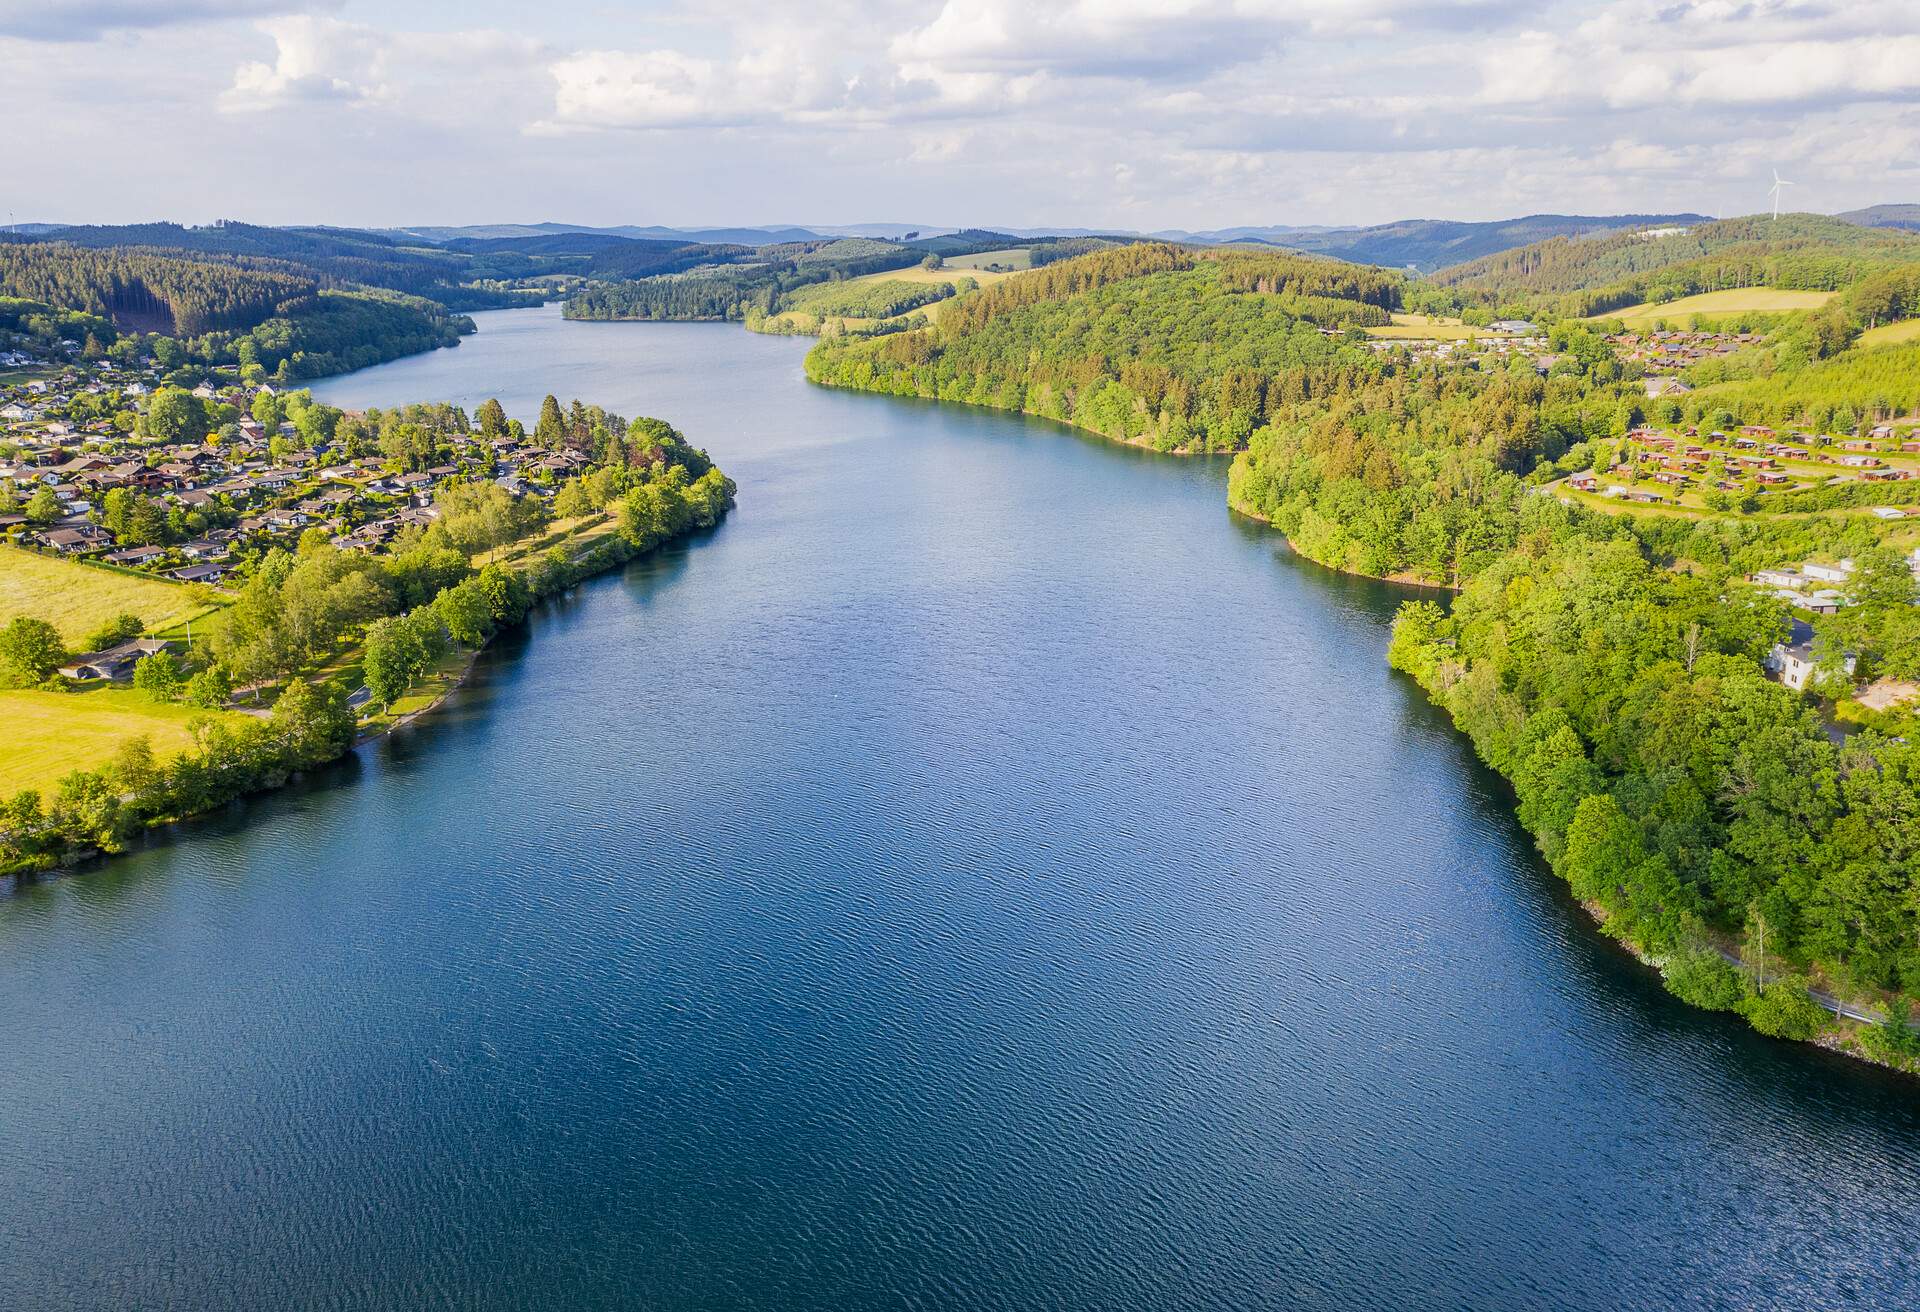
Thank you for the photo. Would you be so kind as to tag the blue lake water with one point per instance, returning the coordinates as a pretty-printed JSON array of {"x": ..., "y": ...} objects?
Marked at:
[{"x": 983, "y": 874}]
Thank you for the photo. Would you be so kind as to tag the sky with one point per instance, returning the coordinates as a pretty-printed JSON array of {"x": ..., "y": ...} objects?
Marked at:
[{"x": 1122, "y": 114}]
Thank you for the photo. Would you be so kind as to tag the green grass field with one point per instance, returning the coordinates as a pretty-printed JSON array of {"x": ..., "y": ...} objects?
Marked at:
[
  {"x": 77, "y": 599},
  {"x": 1426, "y": 328},
  {"x": 950, "y": 271},
  {"x": 1890, "y": 334},
  {"x": 1014, "y": 259},
  {"x": 1743, "y": 300},
  {"x": 50, "y": 734}
]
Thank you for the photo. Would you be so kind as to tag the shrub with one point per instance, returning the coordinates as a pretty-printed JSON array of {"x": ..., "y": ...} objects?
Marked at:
[
  {"x": 1785, "y": 1010},
  {"x": 1704, "y": 978}
]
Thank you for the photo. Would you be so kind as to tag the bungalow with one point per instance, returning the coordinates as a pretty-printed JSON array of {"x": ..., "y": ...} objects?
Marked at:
[
  {"x": 1584, "y": 482},
  {"x": 67, "y": 541},
  {"x": 135, "y": 556},
  {"x": 114, "y": 662},
  {"x": 1860, "y": 462},
  {"x": 1839, "y": 573},
  {"x": 199, "y": 573}
]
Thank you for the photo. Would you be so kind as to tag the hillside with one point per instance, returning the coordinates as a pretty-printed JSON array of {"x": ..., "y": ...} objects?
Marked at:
[
  {"x": 721, "y": 236},
  {"x": 1428, "y": 244},
  {"x": 1885, "y": 216},
  {"x": 268, "y": 314},
  {"x": 333, "y": 257},
  {"x": 1575, "y": 277},
  {"x": 1152, "y": 344}
]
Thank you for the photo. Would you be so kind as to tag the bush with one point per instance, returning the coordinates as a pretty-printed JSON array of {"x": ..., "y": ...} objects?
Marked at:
[
  {"x": 1893, "y": 1040},
  {"x": 1785, "y": 1010},
  {"x": 1704, "y": 978}
]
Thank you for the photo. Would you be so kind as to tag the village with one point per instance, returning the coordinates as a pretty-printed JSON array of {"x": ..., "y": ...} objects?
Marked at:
[
  {"x": 1751, "y": 462},
  {"x": 196, "y": 511}
]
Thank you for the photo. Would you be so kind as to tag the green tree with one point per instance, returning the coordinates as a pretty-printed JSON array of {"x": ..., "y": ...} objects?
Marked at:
[
  {"x": 161, "y": 676},
  {"x": 492, "y": 419},
  {"x": 30, "y": 649},
  {"x": 395, "y": 658},
  {"x": 43, "y": 507},
  {"x": 313, "y": 721},
  {"x": 175, "y": 415},
  {"x": 209, "y": 689},
  {"x": 552, "y": 428}
]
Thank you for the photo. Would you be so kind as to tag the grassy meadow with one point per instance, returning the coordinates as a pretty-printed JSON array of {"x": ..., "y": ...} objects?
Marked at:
[
  {"x": 1427, "y": 328},
  {"x": 1742, "y": 300},
  {"x": 76, "y": 599},
  {"x": 1891, "y": 334},
  {"x": 52, "y": 733}
]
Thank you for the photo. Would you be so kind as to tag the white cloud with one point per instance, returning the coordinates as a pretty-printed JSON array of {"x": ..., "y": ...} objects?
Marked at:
[
  {"x": 434, "y": 74},
  {"x": 1151, "y": 113}
]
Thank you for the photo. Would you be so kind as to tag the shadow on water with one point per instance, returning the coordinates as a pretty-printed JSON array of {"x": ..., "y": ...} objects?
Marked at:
[
  {"x": 1795, "y": 1079},
  {"x": 159, "y": 851}
]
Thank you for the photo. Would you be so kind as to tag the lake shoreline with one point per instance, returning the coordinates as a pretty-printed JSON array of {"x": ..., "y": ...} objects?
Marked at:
[
  {"x": 604, "y": 556},
  {"x": 1841, "y": 1037}
]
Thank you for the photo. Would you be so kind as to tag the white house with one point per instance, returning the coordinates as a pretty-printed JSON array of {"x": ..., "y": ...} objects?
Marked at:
[{"x": 1792, "y": 661}]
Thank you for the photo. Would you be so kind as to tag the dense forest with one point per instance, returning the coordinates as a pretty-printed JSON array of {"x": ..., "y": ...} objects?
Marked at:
[
  {"x": 242, "y": 311},
  {"x": 734, "y": 290},
  {"x": 1609, "y": 666},
  {"x": 740, "y": 283},
  {"x": 146, "y": 290},
  {"x": 1577, "y": 276},
  {"x": 1147, "y": 343},
  {"x": 332, "y": 257}
]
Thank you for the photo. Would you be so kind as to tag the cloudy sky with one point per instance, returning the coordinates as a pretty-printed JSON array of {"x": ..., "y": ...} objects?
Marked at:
[{"x": 1103, "y": 113}]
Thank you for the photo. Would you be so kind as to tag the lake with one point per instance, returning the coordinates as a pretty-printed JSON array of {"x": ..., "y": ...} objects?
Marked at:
[{"x": 982, "y": 874}]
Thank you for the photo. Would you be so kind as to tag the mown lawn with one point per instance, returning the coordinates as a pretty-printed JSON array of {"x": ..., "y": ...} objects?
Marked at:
[
  {"x": 49, "y": 734},
  {"x": 76, "y": 599}
]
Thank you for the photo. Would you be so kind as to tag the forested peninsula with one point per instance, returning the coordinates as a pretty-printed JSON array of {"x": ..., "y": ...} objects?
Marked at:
[{"x": 1613, "y": 666}]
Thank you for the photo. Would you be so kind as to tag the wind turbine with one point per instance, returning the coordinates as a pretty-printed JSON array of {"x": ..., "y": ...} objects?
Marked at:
[{"x": 1778, "y": 183}]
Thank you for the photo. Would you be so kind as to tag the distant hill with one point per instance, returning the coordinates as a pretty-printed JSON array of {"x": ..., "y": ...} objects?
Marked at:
[
  {"x": 440, "y": 236},
  {"x": 1885, "y": 216},
  {"x": 1428, "y": 244},
  {"x": 335, "y": 257},
  {"x": 1810, "y": 252}
]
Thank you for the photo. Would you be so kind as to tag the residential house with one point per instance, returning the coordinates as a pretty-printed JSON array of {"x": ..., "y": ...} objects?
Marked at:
[{"x": 114, "y": 662}]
